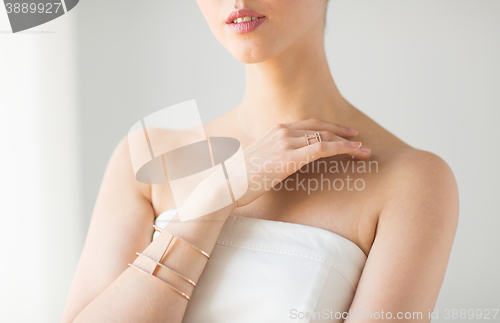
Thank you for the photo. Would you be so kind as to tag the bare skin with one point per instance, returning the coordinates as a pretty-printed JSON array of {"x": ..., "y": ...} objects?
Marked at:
[{"x": 404, "y": 218}]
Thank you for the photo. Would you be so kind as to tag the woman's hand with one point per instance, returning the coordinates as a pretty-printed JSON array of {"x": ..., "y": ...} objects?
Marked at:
[{"x": 283, "y": 150}]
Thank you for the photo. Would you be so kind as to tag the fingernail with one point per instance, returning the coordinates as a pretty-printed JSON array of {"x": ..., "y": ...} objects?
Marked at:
[
  {"x": 364, "y": 149},
  {"x": 352, "y": 130},
  {"x": 355, "y": 144}
]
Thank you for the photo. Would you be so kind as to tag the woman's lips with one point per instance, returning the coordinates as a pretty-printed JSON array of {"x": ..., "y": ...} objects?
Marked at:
[
  {"x": 245, "y": 26},
  {"x": 244, "y": 20}
]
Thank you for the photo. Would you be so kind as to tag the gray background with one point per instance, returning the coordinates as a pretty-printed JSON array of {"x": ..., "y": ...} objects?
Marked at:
[{"x": 426, "y": 70}]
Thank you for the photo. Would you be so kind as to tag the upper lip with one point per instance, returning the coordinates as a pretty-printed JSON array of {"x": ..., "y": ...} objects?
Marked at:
[{"x": 242, "y": 13}]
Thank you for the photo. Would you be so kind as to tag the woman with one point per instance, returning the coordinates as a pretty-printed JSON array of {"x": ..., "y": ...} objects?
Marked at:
[{"x": 378, "y": 249}]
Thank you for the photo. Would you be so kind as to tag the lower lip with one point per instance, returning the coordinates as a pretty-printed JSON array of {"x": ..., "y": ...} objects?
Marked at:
[{"x": 246, "y": 26}]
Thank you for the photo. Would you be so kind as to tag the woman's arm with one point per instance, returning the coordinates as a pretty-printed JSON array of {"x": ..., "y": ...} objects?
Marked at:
[
  {"x": 121, "y": 222},
  {"x": 105, "y": 288},
  {"x": 136, "y": 297},
  {"x": 408, "y": 259}
]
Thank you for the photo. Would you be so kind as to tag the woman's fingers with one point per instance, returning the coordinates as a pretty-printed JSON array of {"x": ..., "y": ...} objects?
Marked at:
[
  {"x": 322, "y": 149},
  {"x": 298, "y": 140},
  {"x": 320, "y": 125},
  {"x": 287, "y": 143}
]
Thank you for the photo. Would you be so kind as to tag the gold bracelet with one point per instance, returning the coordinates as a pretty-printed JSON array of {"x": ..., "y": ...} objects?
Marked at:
[
  {"x": 167, "y": 268},
  {"x": 158, "y": 263},
  {"x": 155, "y": 277},
  {"x": 193, "y": 246}
]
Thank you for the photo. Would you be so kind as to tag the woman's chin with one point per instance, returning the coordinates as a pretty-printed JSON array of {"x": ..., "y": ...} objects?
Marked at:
[
  {"x": 249, "y": 60},
  {"x": 252, "y": 56}
]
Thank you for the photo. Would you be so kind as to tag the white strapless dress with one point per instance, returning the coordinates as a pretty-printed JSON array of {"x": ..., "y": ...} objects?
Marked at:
[{"x": 264, "y": 271}]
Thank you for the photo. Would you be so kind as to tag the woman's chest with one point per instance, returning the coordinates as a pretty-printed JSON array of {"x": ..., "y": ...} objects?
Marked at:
[{"x": 334, "y": 194}]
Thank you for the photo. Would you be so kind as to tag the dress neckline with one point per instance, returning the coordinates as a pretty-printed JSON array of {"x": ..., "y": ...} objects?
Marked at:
[{"x": 283, "y": 223}]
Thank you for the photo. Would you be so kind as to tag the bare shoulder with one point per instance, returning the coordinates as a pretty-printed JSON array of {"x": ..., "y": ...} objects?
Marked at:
[
  {"x": 120, "y": 168},
  {"x": 408, "y": 174},
  {"x": 147, "y": 144},
  {"x": 409, "y": 180},
  {"x": 420, "y": 184},
  {"x": 420, "y": 171}
]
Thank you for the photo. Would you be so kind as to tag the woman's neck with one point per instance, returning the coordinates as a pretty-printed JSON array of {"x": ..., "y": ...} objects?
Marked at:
[{"x": 295, "y": 85}]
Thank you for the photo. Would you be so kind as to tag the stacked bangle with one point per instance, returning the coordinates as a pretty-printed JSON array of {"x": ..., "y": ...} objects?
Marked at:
[
  {"x": 155, "y": 277},
  {"x": 193, "y": 246},
  {"x": 158, "y": 263}
]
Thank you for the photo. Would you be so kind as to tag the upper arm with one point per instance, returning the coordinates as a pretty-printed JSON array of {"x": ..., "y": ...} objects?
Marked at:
[
  {"x": 121, "y": 224},
  {"x": 405, "y": 268}
]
